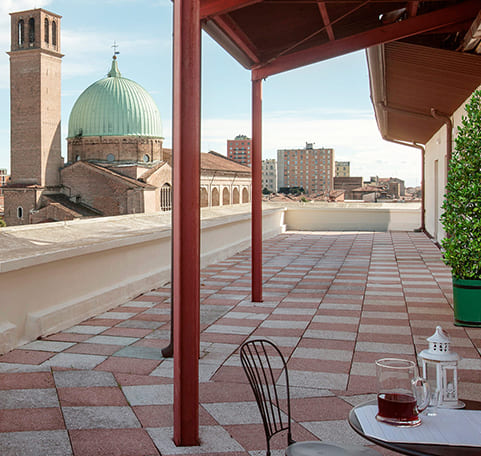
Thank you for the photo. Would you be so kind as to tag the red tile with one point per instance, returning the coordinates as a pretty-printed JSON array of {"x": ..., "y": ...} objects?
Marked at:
[
  {"x": 128, "y": 365},
  {"x": 94, "y": 349},
  {"x": 68, "y": 337},
  {"x": 32, "y": 419},
  {"x": 91, "y": 396},
  {"x": 163, "y": 416},
  {"x": 26, "y": 357},
  {"x": 319, "y": 409},
  {"x": 133, "y": 379},
  {"x": 149, "y": 298},
  {"x": 327, "y": 343},
  {"x": 152, "y": 317},
  {"x": 112, "y": 442},
  {"x": 225, "y": 392},
  {"x": 333, "y": 326},
  {"x": 26, "y": 380},
  {"x": 362, "y": 384},
  {"x": 286, "y": 332},
  {"x": 155, "y": 343}
]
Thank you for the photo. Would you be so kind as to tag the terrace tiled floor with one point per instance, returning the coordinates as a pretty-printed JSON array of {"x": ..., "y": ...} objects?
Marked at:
[{"x": 334, "y": 302}]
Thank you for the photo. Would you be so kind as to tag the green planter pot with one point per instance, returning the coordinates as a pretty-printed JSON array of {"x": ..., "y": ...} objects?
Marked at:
[{"x": 467, "y": 302}]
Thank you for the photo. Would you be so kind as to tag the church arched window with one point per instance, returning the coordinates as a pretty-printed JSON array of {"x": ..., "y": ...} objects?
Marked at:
[
  {"x": 47, "y": 25},
  {"x": 31, "y": 30},
  {"x": 21, "y": 32},
  {"x": 166, "y": 197},
  {"x": 54, "y": 33},
  {"x": 20, "y": 212}
]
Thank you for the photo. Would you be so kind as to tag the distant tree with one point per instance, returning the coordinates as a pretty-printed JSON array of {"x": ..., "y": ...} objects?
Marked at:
[
  {"x": 265, "y": 191},
  {"x": 2, "y": 223}
]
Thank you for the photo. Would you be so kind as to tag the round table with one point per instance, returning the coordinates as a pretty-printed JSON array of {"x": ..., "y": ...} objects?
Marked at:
[{"x": 418, "y": 449}]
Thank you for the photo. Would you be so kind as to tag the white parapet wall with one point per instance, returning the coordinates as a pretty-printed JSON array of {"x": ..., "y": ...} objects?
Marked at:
[
  {"x": 353, "y": 216},
  {"x": 55, "y": 275}
]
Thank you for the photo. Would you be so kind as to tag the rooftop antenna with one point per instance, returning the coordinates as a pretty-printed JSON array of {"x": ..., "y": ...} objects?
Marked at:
[{"x": 116, "y": 52}]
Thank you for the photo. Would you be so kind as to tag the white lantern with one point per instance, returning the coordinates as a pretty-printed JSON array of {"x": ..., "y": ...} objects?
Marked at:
[{"x": 440, "y": 369}]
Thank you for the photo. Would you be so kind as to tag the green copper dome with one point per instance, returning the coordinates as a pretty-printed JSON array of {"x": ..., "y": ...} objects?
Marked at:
[{"x": 115, "y": 106}]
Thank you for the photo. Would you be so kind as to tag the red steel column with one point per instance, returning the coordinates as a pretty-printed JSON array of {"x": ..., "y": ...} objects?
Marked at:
[
  {"x": 256, "y": 164},
  {"x": 186, "y": 220}
]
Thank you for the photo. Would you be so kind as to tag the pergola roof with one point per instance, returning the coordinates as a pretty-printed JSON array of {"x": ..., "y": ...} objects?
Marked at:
[
  {"x": 408, "y": 80},
  {"x": 272, "y": 36}
]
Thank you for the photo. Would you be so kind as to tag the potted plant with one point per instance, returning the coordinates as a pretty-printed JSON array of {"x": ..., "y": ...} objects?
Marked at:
[{"x": 462, "y": 217}]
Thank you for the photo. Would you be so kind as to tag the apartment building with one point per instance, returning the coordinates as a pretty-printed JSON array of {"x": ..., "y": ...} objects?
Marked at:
[
  {"x": 269, "y": 175},
  {"x": 309, "y": 168},
  {"x": 343, "y": 169},
  {"x": 239, "y": 149}
]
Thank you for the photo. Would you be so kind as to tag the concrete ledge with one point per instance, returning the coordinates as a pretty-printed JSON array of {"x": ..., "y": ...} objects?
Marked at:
[{"x": 7, "y": 336}]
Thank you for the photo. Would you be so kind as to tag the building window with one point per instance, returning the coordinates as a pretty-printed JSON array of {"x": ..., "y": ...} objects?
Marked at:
[
  {"x": 21, "y": 32},
  {"x": 110, "y": 157},
  {"x": 46, "y": 31},
  {"x": 146, "y": 158},
  {"x": 77, "y": 158},
  {"x": 31, "y": 30},
  {"x": 54, "y": 33},
  {"x": 20, "y": 212}
]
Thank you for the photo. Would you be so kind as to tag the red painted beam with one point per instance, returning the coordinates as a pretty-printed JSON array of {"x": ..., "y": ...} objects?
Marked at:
[
  {"x": 256, "y": 212},
  {"x": 326, "y": 20},
  {"x": 217, "y": 7},
  {"x": 237, "y": 35},
  {"x": 412, "y": 8},
  {"x": 383, "y": 34},
  {"x": 186, "y": 220}
]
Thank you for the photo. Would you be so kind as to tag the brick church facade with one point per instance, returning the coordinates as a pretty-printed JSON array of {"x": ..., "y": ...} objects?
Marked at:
[{"x": 116, "y": 161}]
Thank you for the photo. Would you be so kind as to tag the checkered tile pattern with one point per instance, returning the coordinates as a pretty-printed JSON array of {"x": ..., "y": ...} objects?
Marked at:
[{"x": 333, "y": 302}]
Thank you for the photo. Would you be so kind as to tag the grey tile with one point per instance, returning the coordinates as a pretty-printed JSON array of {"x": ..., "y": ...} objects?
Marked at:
[
  {"x": 227, "y": 329},
  {"x": 99, "y": 418},
  {"x": 166, "y": 369},
  {"x": 287, "y": 324},
  {"x": 82, "y": 378},
  {"x": 214, "y": 439},
  {"x": 13, "y": 367},
  {"x": 87, "y": 329},
  {"x": 335, "y": 319},
  {"x": 334, "y": 335},
  {"x": 227, "y": 413},
  {"x": 140, "y": 324},
  {"x": 28, "y": 398},
  {"x": 337, "y": 431},
  {"x": 149, "y": 394},
  {"x": 47, "y": 345},
  {"x": 140, "y": 352},
  {"x": 35, "y": 443},
  {"x": 111, "y": 340},
  {"x": 321, "y": 380},
  {"x": 75, "y": 361}
]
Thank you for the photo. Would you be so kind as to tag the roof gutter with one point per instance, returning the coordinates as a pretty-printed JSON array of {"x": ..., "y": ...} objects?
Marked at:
[{"x": 449, "y": 135}]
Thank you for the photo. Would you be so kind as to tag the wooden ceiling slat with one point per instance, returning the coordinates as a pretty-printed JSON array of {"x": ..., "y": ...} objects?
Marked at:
[{"x": 383, "y": 34}]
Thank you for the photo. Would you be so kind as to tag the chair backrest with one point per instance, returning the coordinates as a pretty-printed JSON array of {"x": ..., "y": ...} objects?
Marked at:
[{"x": 266, "y": 370}]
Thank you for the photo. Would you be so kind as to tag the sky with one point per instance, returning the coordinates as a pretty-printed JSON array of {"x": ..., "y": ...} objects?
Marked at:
[{"x": 326, "y": 103}]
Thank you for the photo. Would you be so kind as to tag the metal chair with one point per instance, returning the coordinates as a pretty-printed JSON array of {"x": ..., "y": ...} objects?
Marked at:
[{"x": 260, "y": 357}]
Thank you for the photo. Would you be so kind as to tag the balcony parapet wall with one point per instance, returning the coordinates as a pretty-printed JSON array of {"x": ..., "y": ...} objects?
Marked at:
[{"x": 55, "y": 275}]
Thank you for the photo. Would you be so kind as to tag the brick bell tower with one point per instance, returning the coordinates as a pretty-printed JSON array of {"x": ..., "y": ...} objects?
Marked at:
[{"x": 35, "y": 112}]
